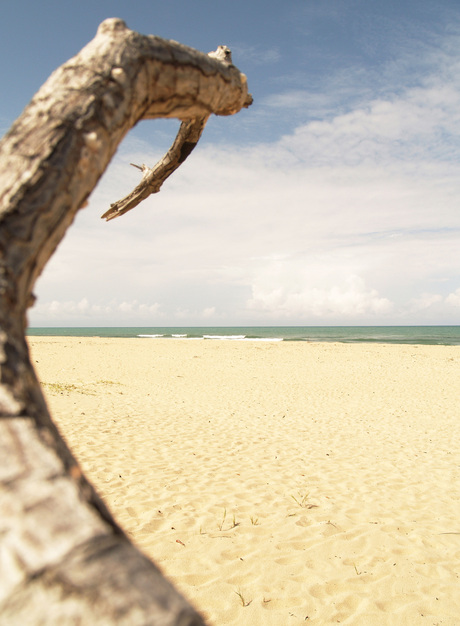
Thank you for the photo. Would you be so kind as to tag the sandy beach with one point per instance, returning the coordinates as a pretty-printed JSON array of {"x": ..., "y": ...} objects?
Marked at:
[{"x": 275, "y": 483}]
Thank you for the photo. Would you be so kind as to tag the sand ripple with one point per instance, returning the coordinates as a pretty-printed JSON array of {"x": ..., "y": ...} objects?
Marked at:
[{"x": 275, "y": 483}]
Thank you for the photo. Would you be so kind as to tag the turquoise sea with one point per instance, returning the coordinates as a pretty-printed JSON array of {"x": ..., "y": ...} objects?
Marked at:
[{"x": 434, "y": 335}]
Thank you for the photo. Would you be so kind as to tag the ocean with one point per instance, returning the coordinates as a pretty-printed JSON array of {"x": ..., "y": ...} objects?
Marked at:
[{"x": 428, "y": 335}]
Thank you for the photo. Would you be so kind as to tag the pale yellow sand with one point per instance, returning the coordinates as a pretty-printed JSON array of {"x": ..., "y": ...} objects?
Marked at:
[{"x": 314, "y": 483}]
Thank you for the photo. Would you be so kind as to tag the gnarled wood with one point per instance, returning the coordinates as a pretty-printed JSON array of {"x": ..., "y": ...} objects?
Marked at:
[
  {"x": 63, "y": 559},
  {"x": 186, "y": 140},
  {"x": 152, "y": 178}
]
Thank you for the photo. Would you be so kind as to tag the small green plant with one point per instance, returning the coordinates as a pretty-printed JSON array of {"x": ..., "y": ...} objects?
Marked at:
[
  {"x": 254, "y": 521},
  {"x": 244, "y": 602},
  {"x": 234, "y": 522},
  {"x": 223, "y": 520},
  {"x": 66, "y": 388},
  {"x": 302, "y": 501},
  {"x": 60, "y": 387},
  {"x": 356, "y": 570}
]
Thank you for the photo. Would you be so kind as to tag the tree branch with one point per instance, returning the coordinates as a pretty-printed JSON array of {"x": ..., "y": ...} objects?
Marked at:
[
  {"x": 63, "y": 557},
  {"x": 186, "y": 140},
  {"x": 152, "y": 178}
]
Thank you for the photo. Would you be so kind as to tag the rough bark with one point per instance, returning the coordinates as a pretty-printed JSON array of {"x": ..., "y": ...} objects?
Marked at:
[
  {"x": 186, "y": 140},
  {"x": 63, "y": 558},
  {"x": 152, "y": 178}
]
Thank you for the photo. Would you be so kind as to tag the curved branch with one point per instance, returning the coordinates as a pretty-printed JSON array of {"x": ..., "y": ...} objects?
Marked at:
[
  {"x": 63, "y": 557},
  {"x": 186, "y": 140},
  {"x": 152, "y": 178}
]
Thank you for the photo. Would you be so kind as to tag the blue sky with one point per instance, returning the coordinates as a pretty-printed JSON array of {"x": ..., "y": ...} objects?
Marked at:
[{"x": 332, "y": 200}]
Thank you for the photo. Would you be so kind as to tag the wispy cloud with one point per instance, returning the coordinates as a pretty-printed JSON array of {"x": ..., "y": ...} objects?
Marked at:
[
  {"x": 85, "y": 310},
  {"x": 246, "y": 55},
  {"x": 351, "y": 217}
]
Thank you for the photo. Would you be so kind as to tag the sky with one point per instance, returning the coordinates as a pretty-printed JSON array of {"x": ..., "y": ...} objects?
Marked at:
[{"x": 333, "y": 200}]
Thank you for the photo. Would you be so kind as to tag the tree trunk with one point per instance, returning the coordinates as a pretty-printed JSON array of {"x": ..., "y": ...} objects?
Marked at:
[{"x": 63, "y": 558}]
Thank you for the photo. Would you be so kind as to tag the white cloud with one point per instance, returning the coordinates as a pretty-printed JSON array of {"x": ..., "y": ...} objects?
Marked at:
[
  {"x": 85, "y": 312},
  {"x": 283, "y": 291},
  {"x": 209, "y": 312},
  {"x": 409, "y": 127},
  {"x": 425, "y": 301},
  {"x": 354, "y": 217},
  {"x": 454, "y": 298}
]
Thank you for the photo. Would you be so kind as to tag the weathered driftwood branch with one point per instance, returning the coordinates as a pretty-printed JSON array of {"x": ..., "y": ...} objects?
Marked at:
[
  {"x": 186, "y": 140},
  {"x": 63, "y": 559},
  {"x": 152, "y": 178}
]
